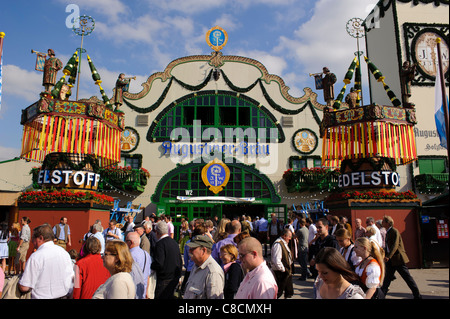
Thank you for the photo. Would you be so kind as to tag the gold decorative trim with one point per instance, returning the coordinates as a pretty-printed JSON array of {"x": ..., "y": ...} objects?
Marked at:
[{"x": 216, "y": 59}]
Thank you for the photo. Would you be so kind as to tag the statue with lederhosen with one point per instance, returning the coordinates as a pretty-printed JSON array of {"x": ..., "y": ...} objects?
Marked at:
[{"x": 328, "y": 82}]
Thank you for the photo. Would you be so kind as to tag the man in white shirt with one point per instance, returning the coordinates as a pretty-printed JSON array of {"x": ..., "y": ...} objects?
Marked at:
[{"x": 49, "y": 270}]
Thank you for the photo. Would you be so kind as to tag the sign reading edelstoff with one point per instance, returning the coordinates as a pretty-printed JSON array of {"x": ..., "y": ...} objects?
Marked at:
[
  {"x": 68, "y": 178},
  {"x": 370, "y": 179}
]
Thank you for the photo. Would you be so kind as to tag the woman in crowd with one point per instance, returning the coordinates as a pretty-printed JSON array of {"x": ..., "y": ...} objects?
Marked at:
[
  {"x": 335, "y": 277},
  {"x": 347, "y": 248},
  {"x": 118, "y": 261},
  {"x": 89, "y": 271},
  {"x": 4, "y": 239},
  {"x": 232, "y": 270},
  {"x": 12, "y": 246},
  {"x": 371, "y": 268}
]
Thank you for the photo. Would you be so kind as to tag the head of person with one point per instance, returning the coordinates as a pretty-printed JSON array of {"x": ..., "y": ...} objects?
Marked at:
[
  {"x": 200, "y": 248},
  {"x": 235, "y": 226},
  {"x": 286, "y": 235},
  {"x": 133, "y": 239},
  {"x": 250, "y": 253},
  {"x": 148, "y": 225},
  {"x": 139, "y": 229},
  {"x": 161, "y": 228},
  {"x": 370, "y": 221},
  {"x": 112, "y": 224},
  {"x": 387, "y": 222},
  {"x": 370, "y": 231},
  {"x": 322, "y": 227},
  {"x": 63, "y": 220},
  {"x": 358, "y": 223},
  {"x": 117, "y": 257},
  {"x": 332, "y": 267},
  {"x": 96, "y": 228},
  {"x": 25, "y": 220},
  {"x": 228, "y": 253},
  {"x": 41, "y": 235},
  {"x": 92, "y": 246},
  {"x": 343, "y": 237}
]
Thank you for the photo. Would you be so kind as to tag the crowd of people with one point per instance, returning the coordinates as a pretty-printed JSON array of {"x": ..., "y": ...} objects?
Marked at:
[{"x": 237, "y": 258}]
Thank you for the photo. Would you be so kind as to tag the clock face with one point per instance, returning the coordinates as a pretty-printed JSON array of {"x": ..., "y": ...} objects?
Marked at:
[
  {"x": 426, "y": 53},
  {"x": 305, "y": 141}
]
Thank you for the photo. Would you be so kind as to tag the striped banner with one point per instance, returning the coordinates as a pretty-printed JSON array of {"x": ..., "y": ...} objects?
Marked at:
[
  {"x": 55, "y": 134},
  {"x": 369, "y": 139}
]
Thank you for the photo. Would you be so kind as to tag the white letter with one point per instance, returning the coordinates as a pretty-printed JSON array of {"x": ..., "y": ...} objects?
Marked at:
[{"x": 72, "y": 20}]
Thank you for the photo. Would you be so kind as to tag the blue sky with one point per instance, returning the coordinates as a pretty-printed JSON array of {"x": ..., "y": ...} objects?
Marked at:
[{"x": 292, "y": 38}]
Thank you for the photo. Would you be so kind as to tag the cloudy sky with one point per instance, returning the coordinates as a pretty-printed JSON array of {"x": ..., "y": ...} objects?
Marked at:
[{"x": 292, "y": 38}]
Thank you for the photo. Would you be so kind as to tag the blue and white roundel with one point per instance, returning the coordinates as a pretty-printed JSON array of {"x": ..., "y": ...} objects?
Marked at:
[
  {"x": 216, "y": 175},
  {"x": 217, "y": 37}
]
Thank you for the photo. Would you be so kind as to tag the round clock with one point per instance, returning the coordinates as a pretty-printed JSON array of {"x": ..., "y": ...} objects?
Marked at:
[
  {"x": 425, "y": 49},
  {"x": 217, "y": 38},
  {"x": 305, "y": 141},
  {"x": 129, "y": 140}
]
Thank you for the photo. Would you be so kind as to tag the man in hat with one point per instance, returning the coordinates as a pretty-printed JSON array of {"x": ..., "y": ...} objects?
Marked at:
[
  {"x": 206, "y": 279},
  {"x": 145, "y": 243},
  {"x": 328, "y": 82},
  {"x": 51, "y": 67}
]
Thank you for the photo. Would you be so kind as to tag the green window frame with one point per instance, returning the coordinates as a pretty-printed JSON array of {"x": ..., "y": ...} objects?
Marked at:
[
  {"x": 432, "y": 165},
  {"x": 231, "y": 115}
]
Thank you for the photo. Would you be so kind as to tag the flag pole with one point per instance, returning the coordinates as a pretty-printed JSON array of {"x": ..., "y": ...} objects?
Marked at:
[
  {"x": 2, "y": 35},
  {"x": 444, "y": 94}
]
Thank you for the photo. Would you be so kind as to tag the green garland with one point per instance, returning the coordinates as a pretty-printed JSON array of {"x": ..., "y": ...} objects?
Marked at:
[
  {"x": 50, "y": 164},
  {"x": 235, "y": 88},
  {"x": 153, "y": 107},
  {"x": 376, "y": 164},
  {"x": 238, "y": 89}
]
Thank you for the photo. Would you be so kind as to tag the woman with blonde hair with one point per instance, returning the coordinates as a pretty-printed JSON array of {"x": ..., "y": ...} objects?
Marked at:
[
  {"x": 232, "y": 270},
  {"x": 117, "y": 259},
  {"x": 221, "y": 230},
  {"x": 371, "y": 269}
]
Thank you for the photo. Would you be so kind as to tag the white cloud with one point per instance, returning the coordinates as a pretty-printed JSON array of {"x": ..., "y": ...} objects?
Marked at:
[
  {"x": 274, "y": 64},
  {"x": 22, "y": 83}
]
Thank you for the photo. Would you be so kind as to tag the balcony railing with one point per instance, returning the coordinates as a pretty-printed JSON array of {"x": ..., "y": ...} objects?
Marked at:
[
  {"x": 314, "y": 179},
  {"x": 431, "y": 183}
]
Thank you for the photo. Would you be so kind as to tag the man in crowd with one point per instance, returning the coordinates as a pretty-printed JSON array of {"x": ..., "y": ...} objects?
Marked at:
[
  {"x": 282, "y": 264},
  {"x": 62, "y": 233},
  {"x": 166, "y": 262},
  {"x": 206, "y": 279},
  {"x": 322, "y": 239},
  {"x": 49, "y": 271},
  {"x": 259, "y": 283},
  {"x": 396, "y": 259}
]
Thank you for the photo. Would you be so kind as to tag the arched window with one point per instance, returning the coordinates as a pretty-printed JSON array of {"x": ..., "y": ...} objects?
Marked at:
[{"x": 230, "y": 115}]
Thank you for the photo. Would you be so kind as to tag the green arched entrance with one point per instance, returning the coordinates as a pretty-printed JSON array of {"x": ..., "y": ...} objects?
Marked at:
[{"x": 182, "y": 194}]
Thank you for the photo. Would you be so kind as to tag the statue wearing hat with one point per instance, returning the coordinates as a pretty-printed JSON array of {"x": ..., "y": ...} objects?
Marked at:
[
  {"x": 51, "y": 67},
  {"x": 328, "y": 82}
]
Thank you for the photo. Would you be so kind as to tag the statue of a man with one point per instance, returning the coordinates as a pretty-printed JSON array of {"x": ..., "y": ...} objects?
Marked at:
[
  {"x": 51, "y": 67},
  {"x": 352, "y": 98},
  {"x": 406, "y": 76},
  {"x": 328, "y": 82},
  {"x": 121, "y": 85}
]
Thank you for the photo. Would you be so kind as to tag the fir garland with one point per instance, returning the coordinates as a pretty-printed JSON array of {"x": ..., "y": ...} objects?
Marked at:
[
  {"x": 51, "y": 162},
  {"x": 238, "y": 89},
  {"x": 153, "y": 107}
]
